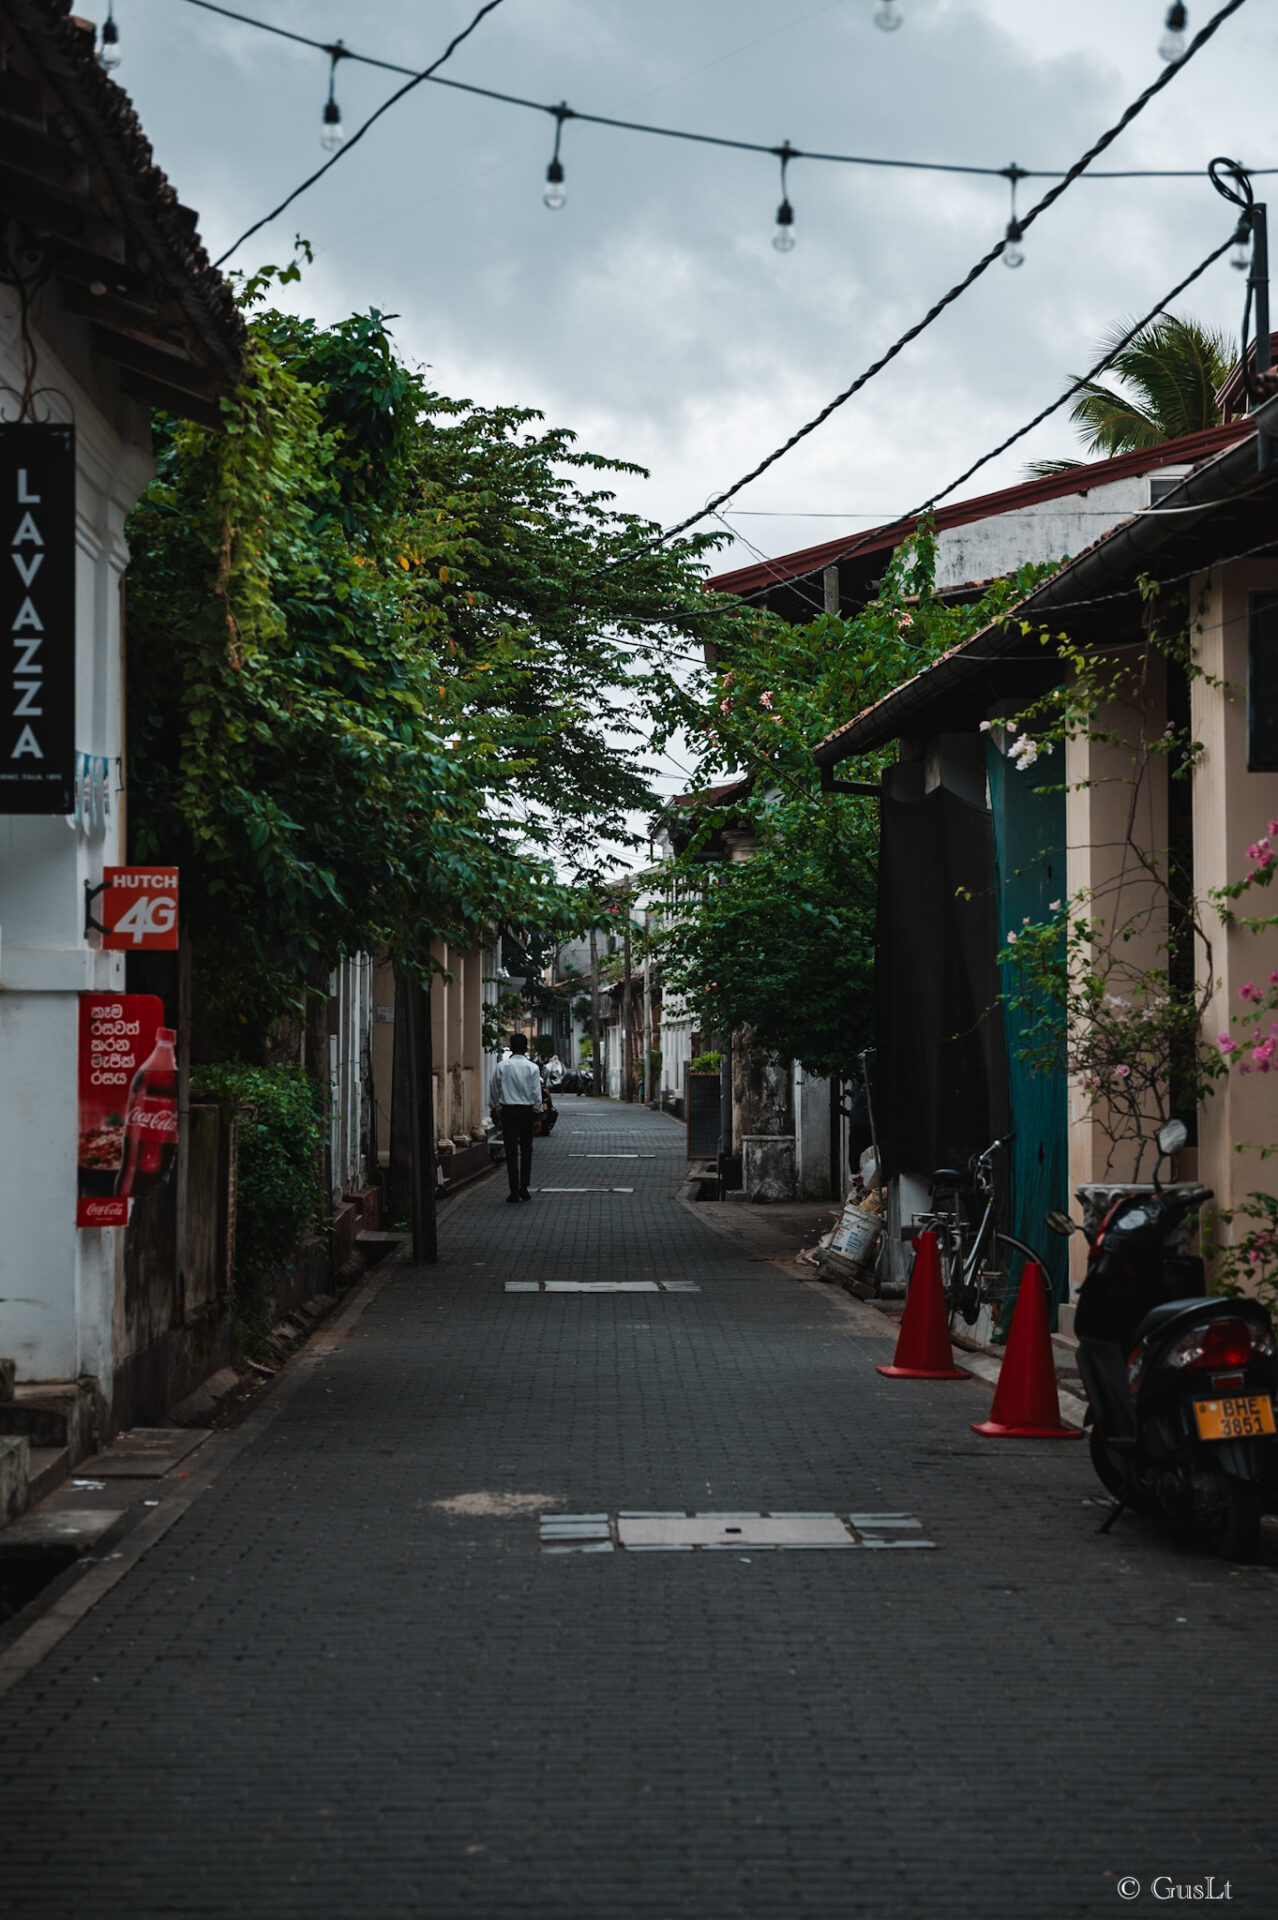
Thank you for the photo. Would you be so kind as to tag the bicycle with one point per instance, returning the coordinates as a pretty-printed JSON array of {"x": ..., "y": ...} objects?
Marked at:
[{"x": 976, "y": 1262}]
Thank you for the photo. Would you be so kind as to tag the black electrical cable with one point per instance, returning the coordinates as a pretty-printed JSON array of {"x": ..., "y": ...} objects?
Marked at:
[
  {"x": 947, "y": 299},
  {"x": 489, "y": 6},
  {"x": 1075, "y": 387},
  {"x": 908, "y": 521},
  {"x": 564, "y": 112}
]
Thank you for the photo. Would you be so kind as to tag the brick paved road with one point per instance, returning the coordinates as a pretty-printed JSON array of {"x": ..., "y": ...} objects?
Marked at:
[{"x": 323, "y": 1693}]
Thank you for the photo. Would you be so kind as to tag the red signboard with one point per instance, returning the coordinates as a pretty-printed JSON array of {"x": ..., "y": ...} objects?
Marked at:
[
  {"x": 138, "y": 908},
  {"x": 128, "y": 1104}
]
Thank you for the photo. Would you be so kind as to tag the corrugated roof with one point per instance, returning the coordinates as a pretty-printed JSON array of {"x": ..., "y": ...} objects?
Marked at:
[{"x": 1189, "y": 448}]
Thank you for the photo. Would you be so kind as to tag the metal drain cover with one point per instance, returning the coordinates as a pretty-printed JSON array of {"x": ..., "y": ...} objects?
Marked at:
[
  {"x": 602, "y": 1286},
  {"x": 674, "y": 1532}
]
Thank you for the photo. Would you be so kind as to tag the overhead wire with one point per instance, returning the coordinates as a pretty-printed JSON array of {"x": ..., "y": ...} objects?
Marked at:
[
  {"x": 561, "y": 111},
  {"x": 948, "y": 298},
  {"x": 906, "y": 522},
  {"x": 417, "y": 79}
]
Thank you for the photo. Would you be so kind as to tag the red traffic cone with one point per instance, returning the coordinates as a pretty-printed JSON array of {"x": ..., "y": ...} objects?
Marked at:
[
  {"x": 923, "y": 1350},
  {"x": 1026, "y": 1406}
]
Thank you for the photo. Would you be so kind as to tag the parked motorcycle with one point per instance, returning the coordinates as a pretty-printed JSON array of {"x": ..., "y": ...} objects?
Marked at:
[{"x": 1180, "y": 1385}]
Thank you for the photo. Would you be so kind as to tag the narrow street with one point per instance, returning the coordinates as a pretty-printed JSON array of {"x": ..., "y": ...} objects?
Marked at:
[{"x": 351, "y": 1679}]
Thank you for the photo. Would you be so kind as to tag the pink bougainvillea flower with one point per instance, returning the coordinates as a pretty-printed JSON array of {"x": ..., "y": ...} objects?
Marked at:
[
  {"x": 1227, "y": 1045},
  {"x": 1273, "y": 826},
  {"x": 1121, "y": 1073},
  {"x": 1011, "y": 939},
  {"x": 765, "y": 699},
  {"x": 986, "y": 725},
  {"x": 725, "y": 706},
  {"x": 905, "y": 620},
  {"x": 1248, "y": 992}
]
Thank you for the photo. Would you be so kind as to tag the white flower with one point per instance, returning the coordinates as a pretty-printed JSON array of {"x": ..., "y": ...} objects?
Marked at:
[
  {"x": 1053, "y": 906},
  {"x": 1011, "y": 939},
  {"x": 1024, "y": 752},
  {"x": 986, "y": 725}
]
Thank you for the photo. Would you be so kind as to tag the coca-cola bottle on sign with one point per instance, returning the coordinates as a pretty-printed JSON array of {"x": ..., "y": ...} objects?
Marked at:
[{"x": 150, "y": 1121}]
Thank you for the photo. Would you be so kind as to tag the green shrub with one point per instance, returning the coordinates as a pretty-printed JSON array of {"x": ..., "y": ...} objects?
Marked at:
[
  {"x": 278, "y": 1185},
  {"x": 706, "y": 1063}
]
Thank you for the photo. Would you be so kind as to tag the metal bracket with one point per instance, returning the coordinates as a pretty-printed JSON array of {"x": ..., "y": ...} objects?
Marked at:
[
  {"x": 90, "y": 895},
  {"x": 830, "y": 785}
]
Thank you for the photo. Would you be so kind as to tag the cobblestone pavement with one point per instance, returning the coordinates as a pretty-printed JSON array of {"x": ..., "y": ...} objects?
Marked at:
[{"x": 348, "y": 1681}]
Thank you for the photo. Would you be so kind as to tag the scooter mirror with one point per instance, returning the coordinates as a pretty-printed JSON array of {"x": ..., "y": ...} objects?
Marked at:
[
  {"x": 1060, "y": 1223},
  {"x": 1172, "y": 1136}
]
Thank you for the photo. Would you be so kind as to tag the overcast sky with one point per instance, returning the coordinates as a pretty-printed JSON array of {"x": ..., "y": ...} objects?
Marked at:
[{"x": 652, "y": 314}]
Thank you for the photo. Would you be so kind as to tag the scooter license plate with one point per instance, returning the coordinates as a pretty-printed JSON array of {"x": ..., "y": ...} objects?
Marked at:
[{"x": 1240, "y": 1419}]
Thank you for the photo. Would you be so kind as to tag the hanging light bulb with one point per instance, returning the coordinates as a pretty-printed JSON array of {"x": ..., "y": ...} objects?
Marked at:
[
  {"x": 1241, "y": 255},
  {"x": 332, "y": 132},
  {"x": 109, "y": 55},
  {"x": 887, "y": 16},
  {"x": 1013, "y": 252},
  {"x": 783, "y": 238},
  {"x": 1172, "y": 45},
  {"x": 555, "y": 195}
]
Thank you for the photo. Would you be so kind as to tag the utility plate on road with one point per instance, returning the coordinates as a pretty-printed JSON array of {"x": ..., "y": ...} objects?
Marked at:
[
  {"x": 602, "y": 1286},
  {"x": 1237, "y": 1419},
  {"x": 673, "y": 1532},
  {"x": 584, "y": 1189}
]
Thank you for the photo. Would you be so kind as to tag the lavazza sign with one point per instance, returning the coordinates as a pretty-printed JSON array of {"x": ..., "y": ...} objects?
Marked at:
[{"x": 37, "y": 618}]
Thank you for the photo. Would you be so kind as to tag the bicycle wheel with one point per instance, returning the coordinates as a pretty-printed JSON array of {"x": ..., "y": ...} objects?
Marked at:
[{"x": 1009, "y": 1247}]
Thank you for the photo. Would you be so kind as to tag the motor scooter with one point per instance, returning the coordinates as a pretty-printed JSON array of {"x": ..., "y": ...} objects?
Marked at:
[{"x": 1180, "y": 1386}]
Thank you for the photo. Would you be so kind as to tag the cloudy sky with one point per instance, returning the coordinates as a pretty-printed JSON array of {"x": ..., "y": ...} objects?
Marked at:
[{"x": 652, "y": 314}]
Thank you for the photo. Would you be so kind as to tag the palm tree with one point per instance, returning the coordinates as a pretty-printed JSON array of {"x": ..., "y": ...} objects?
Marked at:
[{"x": 1172, "y": 371}]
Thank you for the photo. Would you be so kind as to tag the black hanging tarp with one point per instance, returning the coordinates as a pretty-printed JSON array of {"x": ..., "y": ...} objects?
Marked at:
[{"x": 941, "y": 1072}]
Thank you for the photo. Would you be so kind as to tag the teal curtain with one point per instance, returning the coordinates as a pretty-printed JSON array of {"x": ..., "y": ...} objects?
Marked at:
[{"x": 1029, "y": 858}]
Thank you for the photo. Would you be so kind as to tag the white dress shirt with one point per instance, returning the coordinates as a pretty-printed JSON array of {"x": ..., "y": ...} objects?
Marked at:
[{"x": 517, "y": 1083}]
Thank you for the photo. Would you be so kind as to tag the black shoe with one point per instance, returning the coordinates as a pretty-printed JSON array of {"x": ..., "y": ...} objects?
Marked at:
[
  {"x": 524, "y": 1194},
  {"x": 512, "y": 1199}
]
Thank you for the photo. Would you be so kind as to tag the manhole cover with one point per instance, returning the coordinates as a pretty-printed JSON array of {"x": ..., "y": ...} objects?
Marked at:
[
  {"x": 674, "y": 1532},
  {"x": 602, "y": 1286}
]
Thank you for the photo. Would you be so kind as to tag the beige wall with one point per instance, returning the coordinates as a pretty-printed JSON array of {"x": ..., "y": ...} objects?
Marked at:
[
  {"x": 1231, "y": 808},
  {"x": 1104, "y": 810}
]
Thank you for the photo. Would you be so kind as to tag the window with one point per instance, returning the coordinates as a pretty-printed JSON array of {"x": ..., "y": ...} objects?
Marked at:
[{"x": 1262, "y": 683}]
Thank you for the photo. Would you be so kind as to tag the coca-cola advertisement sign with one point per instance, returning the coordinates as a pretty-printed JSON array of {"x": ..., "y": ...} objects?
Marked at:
[{"x": 128, "y": 1104}]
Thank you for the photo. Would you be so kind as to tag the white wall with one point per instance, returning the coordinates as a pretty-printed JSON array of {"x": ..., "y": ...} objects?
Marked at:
[
  {"x": 57, "y": 1280},
  {"x": 1051, "y": 531}
]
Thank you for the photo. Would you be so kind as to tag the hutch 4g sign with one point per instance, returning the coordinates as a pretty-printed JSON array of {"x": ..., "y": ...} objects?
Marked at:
[{"x": 137, "y": 908}]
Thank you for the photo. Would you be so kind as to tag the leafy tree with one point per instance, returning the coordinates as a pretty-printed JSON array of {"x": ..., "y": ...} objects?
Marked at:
[
  {"x": 783, "y": 943},
  {"x": 1171, "y": 372},
  {"x": 374, "y": 665}
]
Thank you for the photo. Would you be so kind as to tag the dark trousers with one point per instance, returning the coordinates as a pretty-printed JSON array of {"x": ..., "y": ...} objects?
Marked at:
[{"x": 517, "y": 1132}]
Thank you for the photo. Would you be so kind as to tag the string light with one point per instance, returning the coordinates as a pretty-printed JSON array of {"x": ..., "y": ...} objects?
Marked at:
[
  {"x": 888, "y": 16},
  {"x": 1013, "y": 251},
  {"x": 1172, "y": 45},
  {"x": 783, "y": 238},
  {"x": 109, "y": 55},
  {"x": 555, "y": 195},
  {"x": 332, "y": 132}
]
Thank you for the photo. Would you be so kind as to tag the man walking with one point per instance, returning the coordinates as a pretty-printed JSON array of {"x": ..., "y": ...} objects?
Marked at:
[{"x": 516, "y": 1104}]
